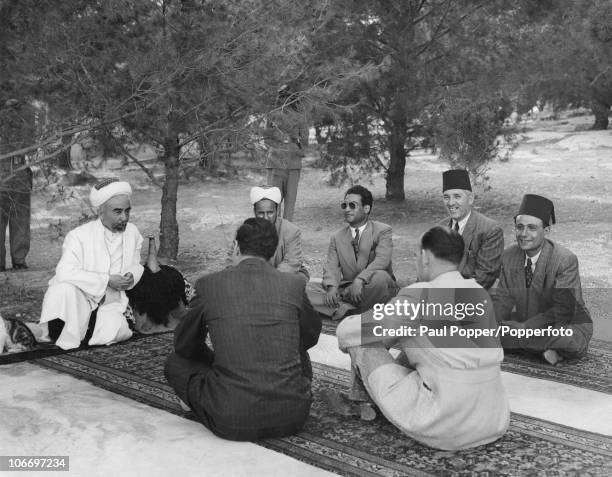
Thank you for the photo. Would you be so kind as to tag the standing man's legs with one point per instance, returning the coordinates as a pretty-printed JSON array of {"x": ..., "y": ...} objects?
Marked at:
[
  {"x": 4, "y": 218},
  {"x": 19, "y": 218},
  {"x": 290, "y": 195},
  {"x": 287, "y": 181},
  {"x": 278, "y": 177}
]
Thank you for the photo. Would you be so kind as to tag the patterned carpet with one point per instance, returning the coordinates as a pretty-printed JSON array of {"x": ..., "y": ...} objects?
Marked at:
[
  {"x": 349, "y": 446},
  {"x": 593, "y": 371}
]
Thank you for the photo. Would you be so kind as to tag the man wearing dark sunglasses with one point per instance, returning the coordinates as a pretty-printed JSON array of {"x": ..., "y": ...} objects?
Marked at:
[{"x": 358, "y": 272}]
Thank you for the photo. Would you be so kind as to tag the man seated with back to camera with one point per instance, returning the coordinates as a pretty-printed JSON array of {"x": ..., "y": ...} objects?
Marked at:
[
  {"x": 443, "y": 390},
  {"x": 257, "y": 381}
]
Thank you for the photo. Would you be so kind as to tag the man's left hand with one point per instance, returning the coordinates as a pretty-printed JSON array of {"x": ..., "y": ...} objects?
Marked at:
[
  {"x": 355, "y": 291},
  {"x": 512, "y": 324},
  {"x": 129, "y": 280}
]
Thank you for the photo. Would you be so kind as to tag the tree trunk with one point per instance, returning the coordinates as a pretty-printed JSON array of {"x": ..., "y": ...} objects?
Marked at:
[
  {"x": 168, "y": 226},
  {"x": 397, "y": 165},
  {"x": 601, "y": 111}
]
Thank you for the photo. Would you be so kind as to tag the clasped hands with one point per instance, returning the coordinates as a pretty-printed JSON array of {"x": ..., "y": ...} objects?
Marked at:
[
  {"x": 121, "y": 282},
  {"x": 353, "y": 294}
]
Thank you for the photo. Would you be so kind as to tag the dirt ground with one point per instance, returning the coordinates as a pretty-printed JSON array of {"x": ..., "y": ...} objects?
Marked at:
[{"x": 556, "y": 159}]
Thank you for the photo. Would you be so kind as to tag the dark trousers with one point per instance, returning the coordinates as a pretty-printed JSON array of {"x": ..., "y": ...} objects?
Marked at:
[
  {"x": 570, "y": 347},
  {"x": 381, "y": 288},
  {"x": 15, "y": 213},
  {"x": 287, "y": 181},
  {"x": 187, "y": 378}
]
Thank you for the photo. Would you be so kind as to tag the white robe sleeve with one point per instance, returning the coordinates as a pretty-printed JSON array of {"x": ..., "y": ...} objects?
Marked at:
[
  {"x": 135, "y": 268},
  {"x": 70, "y": 270}
]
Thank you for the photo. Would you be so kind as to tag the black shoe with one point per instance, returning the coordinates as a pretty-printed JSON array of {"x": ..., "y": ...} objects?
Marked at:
[{"x": 19, "y": 266}]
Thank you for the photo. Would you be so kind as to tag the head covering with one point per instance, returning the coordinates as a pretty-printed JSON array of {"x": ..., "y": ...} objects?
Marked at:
[
  {"x": 106, "y": 189},
  {"x": 266, "y": 192},
  {"x": 456, "y": 179},
  {"x": 538, "y": 206}
]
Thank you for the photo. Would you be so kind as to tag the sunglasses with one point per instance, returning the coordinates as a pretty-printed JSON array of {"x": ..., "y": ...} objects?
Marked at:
[{"x": 350, "y": 205}]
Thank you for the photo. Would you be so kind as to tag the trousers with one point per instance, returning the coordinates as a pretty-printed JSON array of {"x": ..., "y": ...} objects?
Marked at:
[
  {"x": 287, "y": 181},
  {"x": 15, "y": 215}
]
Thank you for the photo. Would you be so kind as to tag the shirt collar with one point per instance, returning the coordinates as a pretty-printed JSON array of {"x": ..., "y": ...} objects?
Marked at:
[
  {"x": 462, "y": 222},
  {"x": 534, "y": 259},
  {"x": 361, "y": 229}
]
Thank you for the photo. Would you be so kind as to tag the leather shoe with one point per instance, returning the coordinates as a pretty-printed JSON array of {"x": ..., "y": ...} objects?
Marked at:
[{"x": 19, "y": 266}]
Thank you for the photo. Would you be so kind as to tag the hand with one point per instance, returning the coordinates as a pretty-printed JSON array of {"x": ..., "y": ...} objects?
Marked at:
[
  {"x": 355, "y": 291},
  {"x": 512, "y": 324},
  {"x": 121, "y": 282},
  {"x": 150, "y": 233},
  {"x": 331, "y": 297},
  {"x": 235, "y": 254}
]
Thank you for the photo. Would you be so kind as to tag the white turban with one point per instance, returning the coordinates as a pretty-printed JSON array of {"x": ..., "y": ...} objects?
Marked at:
[
  {"x": 272, "y": 193},
  {"x": 105, "y": 190}
]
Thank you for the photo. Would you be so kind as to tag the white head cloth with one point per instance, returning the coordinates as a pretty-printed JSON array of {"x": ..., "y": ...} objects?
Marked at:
[
  {"x": 105, "y": 190},
  {"x": 272, "y": 193}
]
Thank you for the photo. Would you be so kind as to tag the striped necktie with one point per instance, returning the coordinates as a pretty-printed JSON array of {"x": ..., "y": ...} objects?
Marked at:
[
  {"x": 528, "y": 273},
  {"x": 355, "y": 243}
]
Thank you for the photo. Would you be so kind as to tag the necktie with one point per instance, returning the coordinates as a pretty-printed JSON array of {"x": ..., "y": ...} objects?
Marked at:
[
  {"x": 456, "y": 227},
  {"x": 355, "y": 243},
  {"x": 528, "y": 273}
]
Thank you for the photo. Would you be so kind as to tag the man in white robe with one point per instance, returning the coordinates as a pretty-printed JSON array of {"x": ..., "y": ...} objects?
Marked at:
[
  {"x": 100, "y": 260},
  {"x": 443, "y": 391}
]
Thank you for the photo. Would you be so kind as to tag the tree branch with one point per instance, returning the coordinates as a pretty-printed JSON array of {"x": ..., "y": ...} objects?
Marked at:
[
  {"x": 126, "y": 153},
  {"x": 38, "y": 161}
]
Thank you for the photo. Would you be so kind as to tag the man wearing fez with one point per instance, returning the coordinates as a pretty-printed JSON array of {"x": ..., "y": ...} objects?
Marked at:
[
  {"x": 540, "y": 288},
  {"x": 358, "y": 271},
  {"x": 483, "y": 237},
  {"x": 256, "y": 381},
  {"x": 446, "y": 393},
  {"x": 100, "y": 261},
  {"x": 288, "y": 256}
]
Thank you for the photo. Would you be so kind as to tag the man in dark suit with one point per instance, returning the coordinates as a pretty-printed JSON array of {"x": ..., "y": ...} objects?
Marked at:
[
  {"x": 358, "y": 272},
  {"x": 540, "y": 290},
  {"x": 483, "y": 237},
  {"x": 256, "y": 382}
]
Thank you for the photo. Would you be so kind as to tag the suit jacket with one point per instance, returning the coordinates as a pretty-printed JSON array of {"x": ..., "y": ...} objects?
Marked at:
[
  {"x": 484, "y": 244},
  {"x": 288, "y": 256},
  {"x": 555, "y": 295},
  {"x": 375, "y": 253},
  {"x": 260, "y": 324},
  {"x": 85, "y": 261}
]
